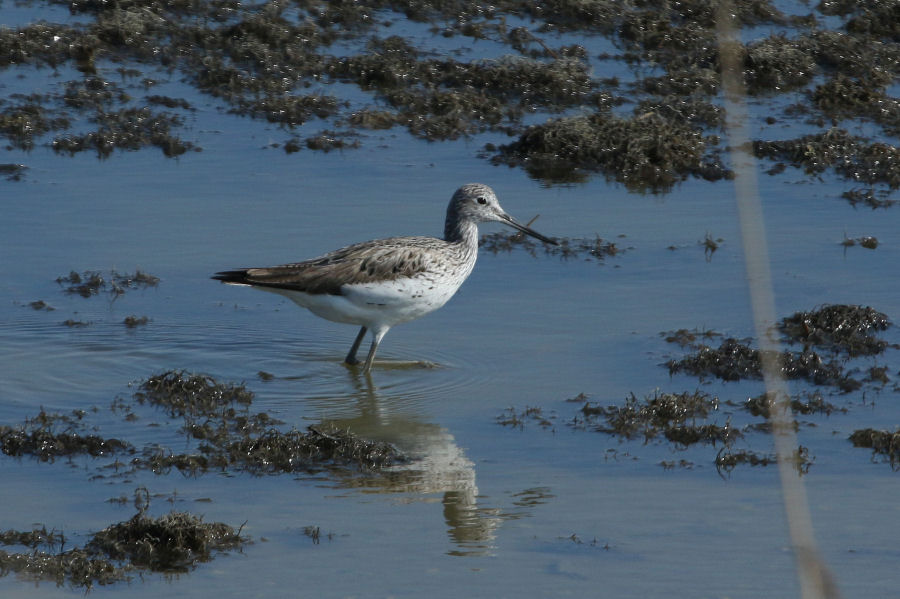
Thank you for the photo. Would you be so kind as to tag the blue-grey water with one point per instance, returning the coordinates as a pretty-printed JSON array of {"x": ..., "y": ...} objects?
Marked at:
[{"x": 500, "y": 512}]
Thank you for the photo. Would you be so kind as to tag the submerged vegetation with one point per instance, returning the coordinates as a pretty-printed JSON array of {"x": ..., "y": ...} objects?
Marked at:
[
  {"x": 216, "y": 417},
  {"x": 233, "y": 438},
  {"x": 172, "y": 543},
  {"x": 734, "y": 360},
  {"x": 519, "y": 71},
  {"x": 92, "y": 282},
  {"x": 698, "y": 420},
  {"x": 219, "y": 433},
  {"x": 843, "y": 331},
  {"x": 651, "y": 152},
  {"x": 588, "y": 249},
  {"x": 673, "y": 416},
  {"x": 885, "y": 445},
  {"x": 840, "y": 328}
]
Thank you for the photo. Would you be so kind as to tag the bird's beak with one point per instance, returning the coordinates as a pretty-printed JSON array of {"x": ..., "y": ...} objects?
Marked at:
[{"x": 507, "y": 219}]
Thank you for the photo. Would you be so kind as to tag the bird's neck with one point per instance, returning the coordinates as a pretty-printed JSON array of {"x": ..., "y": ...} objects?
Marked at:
[{"x": 463, "y": 232}]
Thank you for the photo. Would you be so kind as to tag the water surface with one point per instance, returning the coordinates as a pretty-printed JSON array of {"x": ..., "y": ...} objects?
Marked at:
[{"x": 500, "y": 511}]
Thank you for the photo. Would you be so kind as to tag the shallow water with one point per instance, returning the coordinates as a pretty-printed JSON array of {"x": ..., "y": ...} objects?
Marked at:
[{"x": 498, "y": 511}]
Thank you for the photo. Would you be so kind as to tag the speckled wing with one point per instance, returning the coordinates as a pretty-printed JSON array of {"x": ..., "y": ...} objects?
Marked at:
[{"x": 368, "y": 262}]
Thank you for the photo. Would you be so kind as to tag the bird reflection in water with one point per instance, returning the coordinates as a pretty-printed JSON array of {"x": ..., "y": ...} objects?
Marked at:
[{"x": 438, "y": 466}]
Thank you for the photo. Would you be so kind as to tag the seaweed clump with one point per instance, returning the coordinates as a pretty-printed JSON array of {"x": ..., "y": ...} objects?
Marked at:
[
  {"x": 867, "y": 241},
  {"x": 326, "y": 141},
  {"x": 671, "y": 415},
  {"x": 519, "y": 419},
  {"x": 173, "y": 543},
  {"x": 444, "y": 99},
  {"x": 849, "y": 155},
  {"x": 777, "y": 64},
  {"x": 13, "y": 172},
  {"x": 884, "y": 444},
  {"x": 192, "y": 396},
  {"x": 728, "y": 460},
  {"x": 814, "y": 403},
  {"x": 135, "y": 321},
  {"x": 844, "y": 96},
  {"x": 235, "y": 438},
  {"x": 292, "y": 451},
  {"x": 260, "y": 59},
  {"x": 839, "y": 328},
  {"x": 217, "y": 419},
  {"x": 39, "y": 437},
  {"x": 734, "y": 360},
  {"x": 597, "y": 249},
  {"x": 869, "y": 196},
  {"x": 127, "y": 129},
  {"x": 21, "y": 124},
  {"x": 646, "y": 153},
  {"x": 41, "y": 305},
  {"x": 76, "y": 568},
  {"x": 92, "y": 282}
]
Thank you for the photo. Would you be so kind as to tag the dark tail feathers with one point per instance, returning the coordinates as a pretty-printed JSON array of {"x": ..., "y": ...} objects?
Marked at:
[{"x": 232, "y": 276}]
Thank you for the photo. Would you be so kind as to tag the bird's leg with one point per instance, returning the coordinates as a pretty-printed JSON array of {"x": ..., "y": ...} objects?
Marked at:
[
  {"x": 377, "y": 334},
  {"x": 351, "y": 356}
]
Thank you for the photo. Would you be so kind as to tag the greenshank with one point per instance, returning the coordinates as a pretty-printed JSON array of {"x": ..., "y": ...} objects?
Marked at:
[{"x": 381, "y": 283}]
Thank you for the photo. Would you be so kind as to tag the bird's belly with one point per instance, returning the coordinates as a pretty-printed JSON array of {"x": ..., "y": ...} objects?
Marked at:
[
  {"x": 335, "y": 308},
  {"x": 376, "y": 304},
  {"x": 403, "y": 299}
]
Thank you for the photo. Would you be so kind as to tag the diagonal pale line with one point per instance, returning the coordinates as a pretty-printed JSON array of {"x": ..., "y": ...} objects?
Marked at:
[{"x": 814, "y": 576}]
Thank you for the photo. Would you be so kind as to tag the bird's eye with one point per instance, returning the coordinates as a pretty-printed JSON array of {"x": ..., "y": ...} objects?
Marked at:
[{"x": 481, "y": 200}]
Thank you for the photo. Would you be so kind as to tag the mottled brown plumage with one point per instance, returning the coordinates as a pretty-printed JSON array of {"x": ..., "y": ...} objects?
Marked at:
[{"x": 366, "y": 262}]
